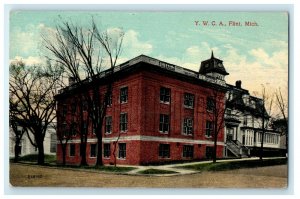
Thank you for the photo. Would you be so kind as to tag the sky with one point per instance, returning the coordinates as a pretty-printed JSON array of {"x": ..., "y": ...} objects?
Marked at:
[{"x": 256, "y": 55}]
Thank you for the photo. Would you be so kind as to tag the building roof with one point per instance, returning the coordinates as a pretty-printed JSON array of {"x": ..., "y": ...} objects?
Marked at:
[
  {"x": 154, "y": 64},
  {"x": 212, "y": 65},
  {"x": 240, "y": 99}
]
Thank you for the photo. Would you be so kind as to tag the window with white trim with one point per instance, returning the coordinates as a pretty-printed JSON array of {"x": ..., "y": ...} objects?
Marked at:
[
  {"x": 189, "y": 100},
  {"x": 210, "y": 104},
  {"x": 123, "y": 122},
  {"x": 164, "y": 123},
  {"x": 165, "y": 95},
  {"x": 124, "y": 94},
  {"x": 64, "y": 110},
  {"x": 73, "y": 129},
  {"x": 72, "y": 150},
  {"x": 122, "y": 150},
  {"x": 164, "y": 151},
  {"x": 53, "y": 143},
  {"x": 188, "y": 126},
  {"x": 108, "y": 124},
  {"x": 209, "y": 128},
  {"x": 108, "y": 99},
  {"x": 93, "y": 151},
  {"x": 106, "y": 150},
  {"x": 188, "y": 151}
]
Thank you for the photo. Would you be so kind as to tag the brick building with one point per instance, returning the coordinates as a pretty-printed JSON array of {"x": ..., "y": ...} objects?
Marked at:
[{"x": 158, "y": 112}]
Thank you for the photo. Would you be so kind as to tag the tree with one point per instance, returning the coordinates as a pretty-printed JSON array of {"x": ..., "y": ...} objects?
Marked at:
[
  {"x": 216, "y": 107},
  {"x": 65, "y": 134},
  {"x": 266, "y": 100},
  {"x": 83, "y": 54},
  {"x": 15, "y": 123},
  {"x": 31, "y": 91},
  {"x": 282, "y": 123}
]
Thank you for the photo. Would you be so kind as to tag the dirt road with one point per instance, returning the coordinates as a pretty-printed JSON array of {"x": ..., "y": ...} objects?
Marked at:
[{"x": 264, "y": 177}]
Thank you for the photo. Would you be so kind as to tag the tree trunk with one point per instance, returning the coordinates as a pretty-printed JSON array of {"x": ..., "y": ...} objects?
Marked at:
[
  {"x": 99, "y": 147},
  {"x": 41, "y": 155},
  {"x": 63, "y": 147},
  {"x": 83, "y": 154},
  {"x": 17, "y": 150},
  {"x": 262, "y": 139},
  {"x": 215, "y": 150}
]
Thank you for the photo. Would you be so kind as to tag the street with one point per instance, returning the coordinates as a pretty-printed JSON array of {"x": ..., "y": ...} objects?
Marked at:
[{"x": 262, "y": 177}]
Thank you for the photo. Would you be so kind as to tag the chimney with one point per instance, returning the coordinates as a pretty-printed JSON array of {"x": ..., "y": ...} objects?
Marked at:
[{"x": 238, "y": 84}]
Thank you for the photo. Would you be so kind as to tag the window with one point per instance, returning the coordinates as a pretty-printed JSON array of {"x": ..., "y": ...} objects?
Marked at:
[
  {"x": 245, "y": 120},
  {"x": 165, "y": 95},
  {"x": 84, "y": 105},
  {"x": 189, "y": 100},
  {"x": 124, "y": 95},
  {"x": 64, "y": 129},
  {"x": 209, "y": 152},
  {"x": 82, "y": 149},
  {"x": 108, "y": 124},
  {"x": 108, "y": 99},
  {"x": 85, "y": 128},
  {"x": 73, "y": 129},
  {"x": 93, "y": 151},
  {"x": 94, "y": 129},
  {"x": 164, "y": 123},
  {"x": 72, "y": 149},
  {"x": 106, "y": 151},
  {"x": 73, "y": 108},
  {"x": 188, "y": 151},
  {"x": 208, "y": 129},
  {"x": 53, "y": 143},
  {"x": 164, "y": 151},
  {"x": 122, "y": 150},
  {"x": 188, "y": 126},
  {"x": 64, "y": 110},
  {"x": 123, "y": 122},
  {"x": 210, "y": 104}
]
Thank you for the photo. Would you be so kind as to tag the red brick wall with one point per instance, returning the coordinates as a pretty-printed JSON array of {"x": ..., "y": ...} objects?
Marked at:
[
  {"x": 141, "y": 152},
  {"x": 153, "y": 108},
  {"x": 143, "y": 109}
]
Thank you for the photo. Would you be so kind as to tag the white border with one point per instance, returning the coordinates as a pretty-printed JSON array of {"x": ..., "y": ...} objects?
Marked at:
[{"x": 262, "y": 7}]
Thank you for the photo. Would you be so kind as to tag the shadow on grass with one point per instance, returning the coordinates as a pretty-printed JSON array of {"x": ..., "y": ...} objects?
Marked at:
[
  {"x": 223, "y": 166},
  {"x": 50, "y": 161},
  {"x": 156, "y": 171}
]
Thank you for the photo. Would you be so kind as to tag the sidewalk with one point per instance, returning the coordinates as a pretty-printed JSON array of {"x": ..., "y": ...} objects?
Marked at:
[{"x": 179, "y": 171}]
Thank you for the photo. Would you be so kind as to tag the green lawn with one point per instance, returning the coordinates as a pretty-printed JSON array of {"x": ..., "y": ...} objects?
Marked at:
[
  {"x": 156, "y": 171},
  {"x": 223, "y": 166},
  {"x": 50, "y": 161},
  {"x": 34, "y": 157}
]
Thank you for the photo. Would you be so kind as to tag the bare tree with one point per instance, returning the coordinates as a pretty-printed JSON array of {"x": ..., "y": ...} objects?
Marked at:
[
  {"x": 266, "y": 100},
  {"x": 31, "y": 90},
  {"x": 83, "y": 53},
  {"x": 15, "y": 123},
  {"x": 66, "y": 132},
  {"x": 216, "y": 107},
  {"x": 282, "y": 105}
]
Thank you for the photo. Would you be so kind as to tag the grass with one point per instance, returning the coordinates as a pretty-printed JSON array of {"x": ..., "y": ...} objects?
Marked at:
[
  {"x": 156, "y": 171},
  {"x": 223, "y": 166},
  {"x": 111, "y": 168},
  {"x": 50, "y": 161},
  {"x": 34, "y": 158}
]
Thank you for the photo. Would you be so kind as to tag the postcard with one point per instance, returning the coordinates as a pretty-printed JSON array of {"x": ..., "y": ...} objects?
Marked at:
[{"x": 137, "y": 99}]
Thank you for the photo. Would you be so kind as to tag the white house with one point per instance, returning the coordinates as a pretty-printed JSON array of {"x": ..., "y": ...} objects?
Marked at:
[
  {"x": 243, "y": 125},
  {"x": 27, "y": 148}
]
